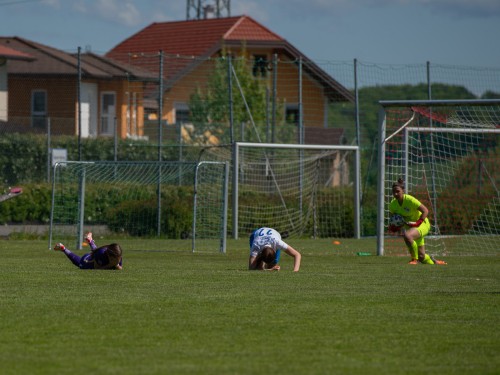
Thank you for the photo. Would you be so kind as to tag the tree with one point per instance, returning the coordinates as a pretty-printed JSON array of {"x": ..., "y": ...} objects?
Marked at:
[{"x": 210, "y": 106}]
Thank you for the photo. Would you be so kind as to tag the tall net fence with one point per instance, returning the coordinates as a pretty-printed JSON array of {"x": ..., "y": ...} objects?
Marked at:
[
  {"x": 448, "y": 154},
  {"x": 163, "y": 107}
]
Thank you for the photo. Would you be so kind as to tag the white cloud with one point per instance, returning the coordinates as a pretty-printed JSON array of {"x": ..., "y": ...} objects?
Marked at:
[
  {"x": 52, "y": 3},
  {"x": 462, "y": 8},
  {"x": 124, "y": 12},
  {"x": 80, "y": 6},
  {"x": 466, "y": 8}
]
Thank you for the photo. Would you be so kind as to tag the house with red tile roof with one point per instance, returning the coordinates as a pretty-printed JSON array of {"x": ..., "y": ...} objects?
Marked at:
[
  {"x": 189, "y": 48},
  {"x": 43, "y": 85}
]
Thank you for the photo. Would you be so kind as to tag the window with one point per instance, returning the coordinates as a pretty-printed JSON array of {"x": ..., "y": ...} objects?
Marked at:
[
  {"x": 292, "y": 114},
  {"x": 108, "y": 112},
  {"x": 39, "y": 109},
  {"x": 181, "y": 113},
  {"x": 259, "y": 66}
]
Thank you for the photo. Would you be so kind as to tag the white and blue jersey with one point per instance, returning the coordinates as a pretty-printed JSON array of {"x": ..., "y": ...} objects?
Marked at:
[{"x": 266, "y": 237}]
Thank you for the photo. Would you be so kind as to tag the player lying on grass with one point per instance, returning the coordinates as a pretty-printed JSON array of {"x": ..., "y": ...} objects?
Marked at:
[
  {"x": 416, "y": 223},
  {"x": 265, "y": 246},
  {"x": 107, "y": 257}
]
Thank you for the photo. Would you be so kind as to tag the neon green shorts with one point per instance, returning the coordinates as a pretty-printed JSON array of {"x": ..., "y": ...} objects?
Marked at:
[{"x": 423, "y": 229}]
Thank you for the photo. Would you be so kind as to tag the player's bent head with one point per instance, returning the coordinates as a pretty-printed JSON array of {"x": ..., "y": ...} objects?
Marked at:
[{"x": 268, "y": 255}]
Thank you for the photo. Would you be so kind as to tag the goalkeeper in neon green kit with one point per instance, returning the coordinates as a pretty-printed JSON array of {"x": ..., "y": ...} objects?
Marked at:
[{"x": 416, "y": 226}]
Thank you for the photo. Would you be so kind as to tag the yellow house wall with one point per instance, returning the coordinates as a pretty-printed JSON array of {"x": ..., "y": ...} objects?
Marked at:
[{"x": 313, "y": 101}]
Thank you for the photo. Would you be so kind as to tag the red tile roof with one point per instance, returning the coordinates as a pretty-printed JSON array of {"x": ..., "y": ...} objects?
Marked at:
[
  {"x": 201, "y": 39},
  {"x": 193, "y": 37}
]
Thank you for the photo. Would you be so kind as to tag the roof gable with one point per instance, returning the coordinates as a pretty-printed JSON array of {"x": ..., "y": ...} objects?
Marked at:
[{"x": 248, "y": 29}]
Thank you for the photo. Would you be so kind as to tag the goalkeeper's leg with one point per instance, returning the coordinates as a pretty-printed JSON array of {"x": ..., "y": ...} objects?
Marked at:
[
  {"x": 412, "y": 246},
  {"x": 422, "y": 230},
  {"x": 423, "y": 257}
]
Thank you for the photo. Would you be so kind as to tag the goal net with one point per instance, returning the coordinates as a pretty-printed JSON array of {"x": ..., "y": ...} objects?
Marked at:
[
  {"x": 301, "y": 190},
  {"x": 152, "y": 205},
  {"x": 448, "y": 154}
]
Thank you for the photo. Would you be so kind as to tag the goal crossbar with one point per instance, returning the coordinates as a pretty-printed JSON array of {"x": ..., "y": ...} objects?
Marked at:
[
  {"x": 440, "y": 103},
  {"x": 452, "y": 130}
]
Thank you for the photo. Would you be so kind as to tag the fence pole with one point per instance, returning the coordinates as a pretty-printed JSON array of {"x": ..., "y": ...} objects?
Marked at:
[
  {"x": 358, "y": 193},
  {"x": 381, "y": 181},
  {"x": 49, "y": 152},
  {"x": 160, "y": 141},
  {"x": 267, "y": 115},
  {"x": 236, "y": 162},
  {"x": 79, "y": 100},
  {"x": 275, "y": 93},
  {"x": 433, "y": 172},
  {"x": 230, "y": 98},
  {"x": 81, "y": 210},
  {"x": 301, "y": 141}
]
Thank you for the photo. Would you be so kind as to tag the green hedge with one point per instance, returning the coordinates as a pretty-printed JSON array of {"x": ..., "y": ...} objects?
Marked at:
[
  {"x": 31, "y": 207},
  {"x": 24, "y": 157},
  {"x": 106, "y": 206}
]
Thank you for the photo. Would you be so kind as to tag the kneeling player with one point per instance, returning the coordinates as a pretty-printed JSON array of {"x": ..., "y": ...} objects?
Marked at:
[{"x": 265, "y": 245}]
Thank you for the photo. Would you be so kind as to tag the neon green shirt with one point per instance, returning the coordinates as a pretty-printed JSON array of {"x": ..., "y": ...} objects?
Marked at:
[{"x": 409, "y": 208}]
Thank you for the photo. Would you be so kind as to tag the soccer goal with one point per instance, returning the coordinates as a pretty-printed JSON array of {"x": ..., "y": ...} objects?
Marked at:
[
  {"x": 152, "y": 205},
  {"x": 304, "y": 190},
  {"x": 448, "y": 154}
]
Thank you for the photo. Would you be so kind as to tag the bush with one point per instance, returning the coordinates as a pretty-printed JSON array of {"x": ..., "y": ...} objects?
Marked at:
[
  {"x": 31, "y": 207},
  {"x": 106, "y": 206}
]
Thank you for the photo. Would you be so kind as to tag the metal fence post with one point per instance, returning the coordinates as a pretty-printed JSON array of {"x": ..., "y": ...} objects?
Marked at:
[
  {"x": 160, "y": 140},
  {"x": 230, "y": 97},
  {"x": 79, "y": 100}
]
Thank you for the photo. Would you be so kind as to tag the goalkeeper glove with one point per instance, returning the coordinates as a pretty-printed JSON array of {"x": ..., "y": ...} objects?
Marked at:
[
  {"x": 394, "y": 228},
  {"x": 59, "y": 246},
  {"x": 415, "y": 224}
]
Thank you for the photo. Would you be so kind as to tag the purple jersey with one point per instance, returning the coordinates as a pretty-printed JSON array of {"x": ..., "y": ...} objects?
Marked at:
[{"x": 89, "y": 261}]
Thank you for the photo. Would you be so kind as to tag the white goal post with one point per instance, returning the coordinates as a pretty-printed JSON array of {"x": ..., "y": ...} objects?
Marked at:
[
  {"x": 448, "y": 153},
  {"x": 177, "y": 206},
  {"x": 287, "y": 186}
]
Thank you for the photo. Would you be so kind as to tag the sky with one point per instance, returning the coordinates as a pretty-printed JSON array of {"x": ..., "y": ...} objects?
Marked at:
[{"x": 454, "y": 32}]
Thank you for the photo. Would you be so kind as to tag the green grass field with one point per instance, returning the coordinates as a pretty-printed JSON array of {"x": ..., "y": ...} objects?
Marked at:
[{"x": 181, "y": 313}]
